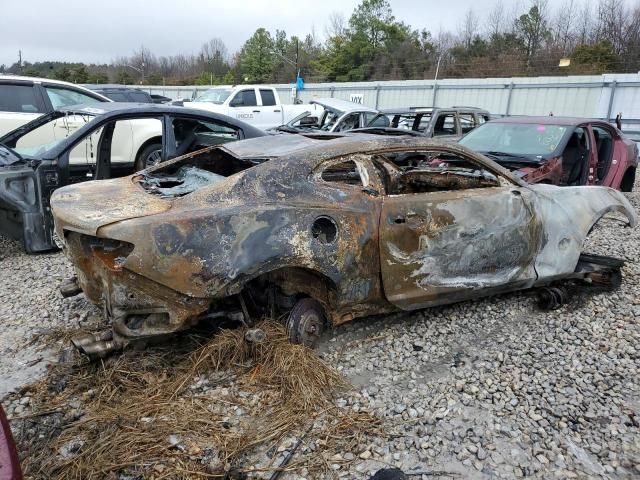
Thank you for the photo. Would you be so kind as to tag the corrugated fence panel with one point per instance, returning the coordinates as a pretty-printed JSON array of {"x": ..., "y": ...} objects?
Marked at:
[{"x": 588, "y": 96}]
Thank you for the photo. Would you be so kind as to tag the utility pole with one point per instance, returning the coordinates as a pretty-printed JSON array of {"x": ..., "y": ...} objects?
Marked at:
[{"x": 19, "y": 61}]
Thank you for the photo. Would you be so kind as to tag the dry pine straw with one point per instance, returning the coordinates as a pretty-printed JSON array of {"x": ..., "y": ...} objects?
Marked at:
[{"x": 132, "y": 404}]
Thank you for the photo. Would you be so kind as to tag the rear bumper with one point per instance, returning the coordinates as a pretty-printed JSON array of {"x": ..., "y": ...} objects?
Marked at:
[{"x": 138, "y": 307}]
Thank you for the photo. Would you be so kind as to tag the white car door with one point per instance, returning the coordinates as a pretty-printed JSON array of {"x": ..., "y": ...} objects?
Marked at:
[
  {"x": 244, "y": 106},
  {"x": 271, "y": 112}
]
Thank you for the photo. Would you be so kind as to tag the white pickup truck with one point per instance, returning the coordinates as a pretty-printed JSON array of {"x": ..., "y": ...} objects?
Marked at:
[{"x": 257, "y": 105}]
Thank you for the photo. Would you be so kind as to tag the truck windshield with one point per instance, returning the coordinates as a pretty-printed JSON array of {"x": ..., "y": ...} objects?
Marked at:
[
  {"x": 215, "y": 95},
  {"x": 515, "y": 139}
]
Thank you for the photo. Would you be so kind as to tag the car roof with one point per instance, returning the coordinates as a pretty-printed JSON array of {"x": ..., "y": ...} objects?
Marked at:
[
  {"x": 416, "y": 110},
  {"x": 547, "y": 120},
  {"x": 343, "y": 106},
  {"x": 9, "y": 78}
]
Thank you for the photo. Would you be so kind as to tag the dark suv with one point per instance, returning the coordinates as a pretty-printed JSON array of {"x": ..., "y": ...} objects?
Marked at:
[{"x": 124, "y": 94}]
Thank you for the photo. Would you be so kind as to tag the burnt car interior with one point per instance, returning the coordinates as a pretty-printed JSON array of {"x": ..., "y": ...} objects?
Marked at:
[
  {"x": 437, "y": 171},
  {"x": 575, "y": 157}
]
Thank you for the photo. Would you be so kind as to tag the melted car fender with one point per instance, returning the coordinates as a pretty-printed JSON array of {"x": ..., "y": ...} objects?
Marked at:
[{"x": 568, "y": 214}]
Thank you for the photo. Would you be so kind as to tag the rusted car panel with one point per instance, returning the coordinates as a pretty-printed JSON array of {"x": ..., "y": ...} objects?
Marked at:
[{"x": 335, "y": 220}]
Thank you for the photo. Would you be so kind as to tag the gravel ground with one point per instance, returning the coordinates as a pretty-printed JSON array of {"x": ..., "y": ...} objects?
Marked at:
[{"x": 492, "y": 388}]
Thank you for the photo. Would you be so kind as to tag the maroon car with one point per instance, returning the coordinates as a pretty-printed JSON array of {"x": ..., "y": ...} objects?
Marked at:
[
  {"x": 9, "y": 463},
  {"x": 559, "y": 150}
]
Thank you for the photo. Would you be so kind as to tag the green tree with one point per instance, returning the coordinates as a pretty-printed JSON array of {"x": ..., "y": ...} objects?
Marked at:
[
  {"x": 597, "y": 58},
  {"x": 256, "y": 57},
  {"x": 124, "y": 78},
  {"x": 532, "y": 28}
]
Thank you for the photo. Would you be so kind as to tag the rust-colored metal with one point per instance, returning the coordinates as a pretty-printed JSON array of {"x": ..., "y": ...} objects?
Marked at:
[{"x": 392, "y": 239}]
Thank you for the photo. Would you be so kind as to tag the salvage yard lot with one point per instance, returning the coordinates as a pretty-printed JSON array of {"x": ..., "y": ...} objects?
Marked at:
[{"x": 493, "y": 387}]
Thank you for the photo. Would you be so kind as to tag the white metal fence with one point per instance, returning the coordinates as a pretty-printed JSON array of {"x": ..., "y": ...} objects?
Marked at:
[{"x": 596, "y": 96}]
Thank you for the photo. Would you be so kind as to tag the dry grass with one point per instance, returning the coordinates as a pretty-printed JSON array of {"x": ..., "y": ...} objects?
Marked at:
[{"x": 141, "y": 414}]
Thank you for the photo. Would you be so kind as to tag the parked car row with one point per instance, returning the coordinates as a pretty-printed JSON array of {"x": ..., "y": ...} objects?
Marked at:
[{"x": 105, "y": 138}]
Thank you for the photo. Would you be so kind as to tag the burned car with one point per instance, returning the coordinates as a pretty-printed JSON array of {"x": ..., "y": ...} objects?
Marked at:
[
  {"x": 338, "y": 116},
  {"x": 559, "y": 150},
  {"x": 322, "y": 233},
  {"x": 443, "y": 124},
  {"x": 81, "y": 143}
]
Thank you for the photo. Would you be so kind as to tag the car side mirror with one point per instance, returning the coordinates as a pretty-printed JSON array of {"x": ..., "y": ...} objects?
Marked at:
[{"x": 371, "y": 191}]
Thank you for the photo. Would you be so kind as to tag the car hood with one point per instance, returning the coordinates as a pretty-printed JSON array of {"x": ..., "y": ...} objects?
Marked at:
[{"x": 88, "y": 206}]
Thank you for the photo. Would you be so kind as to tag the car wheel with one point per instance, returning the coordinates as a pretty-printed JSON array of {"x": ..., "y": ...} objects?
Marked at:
[
  {"x": 306, "y": 322},
  {"x": 149, "y": 156},
  {"x": 628, "y": 180}
]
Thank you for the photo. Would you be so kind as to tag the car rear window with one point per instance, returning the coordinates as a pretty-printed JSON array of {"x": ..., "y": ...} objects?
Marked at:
[
  {"x": 18, "y": 98},
  {"x": 139, "y": 97}
]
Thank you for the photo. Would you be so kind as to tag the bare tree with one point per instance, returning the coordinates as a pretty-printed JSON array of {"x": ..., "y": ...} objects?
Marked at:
[
  {"x": 336, "y": 26},
  {"x": 496, "y": 19},
  {"x": 469, "y": 27},
  {"x": 562, "y": 26}
]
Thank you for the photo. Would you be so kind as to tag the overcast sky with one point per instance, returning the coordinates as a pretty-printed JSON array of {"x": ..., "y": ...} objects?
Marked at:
[{"x": 88, "y": 31}]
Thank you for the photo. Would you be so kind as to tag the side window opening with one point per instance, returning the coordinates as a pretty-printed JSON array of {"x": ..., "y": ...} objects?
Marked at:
[
  {"x": 245, "y": 98},
  {"x": 436, "y": 172},
  {"x": 376, "y": 120},
  {"x": 445, "y": 125},
  {"x": 268, "y": 98},
  {"x": 347, "y": 172},
  {"x": 191, "y": 135},
  {"x": 64, "y": 97},
  {"x": 349, "y": 122},
  {"x": 18, "y": 98},
  {"x": 467, "y": 122}
]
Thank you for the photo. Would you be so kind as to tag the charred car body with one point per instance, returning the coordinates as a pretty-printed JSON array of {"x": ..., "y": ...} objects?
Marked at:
[
  {"x": 443, "y": 124},
  {"x": 559, "y": 151},
  {"x": 325, "y": 230},
  {"x": 76, "y": 144},
  {"x": 338, "y": 116}
]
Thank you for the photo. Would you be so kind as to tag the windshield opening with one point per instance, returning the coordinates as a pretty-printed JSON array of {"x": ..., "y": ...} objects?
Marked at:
[
  {"x": 215, "y": 95},
  {"x": 517, "y": 139}
]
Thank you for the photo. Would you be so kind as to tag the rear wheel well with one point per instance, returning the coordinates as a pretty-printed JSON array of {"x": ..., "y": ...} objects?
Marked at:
[
  {"x": 292, "y": 284},
  {"x": 628, "y": 180}
]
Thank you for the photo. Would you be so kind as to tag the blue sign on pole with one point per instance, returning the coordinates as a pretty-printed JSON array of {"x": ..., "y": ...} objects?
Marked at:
[{"x": 299, "y": 83}]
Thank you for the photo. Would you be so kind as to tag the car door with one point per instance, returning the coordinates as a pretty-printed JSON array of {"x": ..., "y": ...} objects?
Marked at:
[
  {"x": 452, "y": 244},
  {"x": 245, "y": 106},
  {"x": 271, "y": 113},
  {"x": 445, "y": 127}
]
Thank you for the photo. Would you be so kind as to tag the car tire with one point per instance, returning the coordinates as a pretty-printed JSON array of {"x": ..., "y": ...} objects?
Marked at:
[
  {"x": 306, "y": 322},
  {"x": 628, "y": 180},
  {"x": 148, "y": 156}
]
